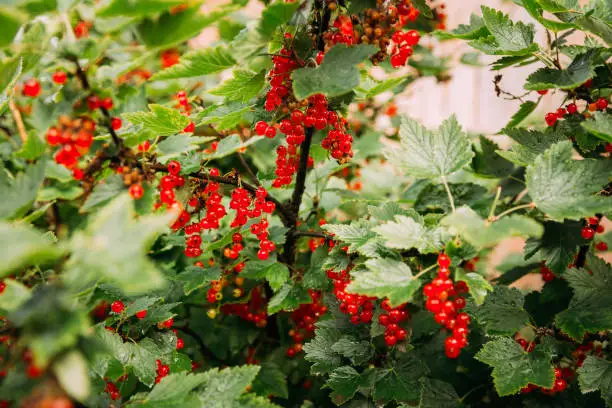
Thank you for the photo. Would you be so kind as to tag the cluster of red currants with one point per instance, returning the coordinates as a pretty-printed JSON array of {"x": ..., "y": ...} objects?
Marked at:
[
  {"x": 359, "y": 307},
  {"x": 112, "y": 391},
  {"x": 162, "y": 371},
  {"x": 407, "y": 12},
  {"x": 344, "y": 33},
  {"x": 391, "y": 321},
  {"x": 183, "y": 104},
  {"x": 286, "y": 165},
  {"x": 253, "y": 311},
  {"x": 594, "y": 226},
  {"x": 260, "y": 230},
  {"x": 552, "y": 117},
  {"x": 242, "y": 200},
  {"x": 280, "y": 77},
  {"x": 234, "y": 251},
  {"x": 303, "y": 319},
  {"x": 547, "y": 274},
  {"x": 446, "y": 311},
  {"x": 402, "y": 47},
  {"x": 74, "y": 136}
]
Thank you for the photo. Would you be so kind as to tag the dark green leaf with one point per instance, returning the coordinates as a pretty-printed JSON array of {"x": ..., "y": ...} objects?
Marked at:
[
  {"x": 19, "y": 192},
  {"x": 502, "y": 312},
  {"x": 438, "y": 394},
  {"x": 578, "y": 72},
  {"x": 596, "y": 375},
  {"x": 197, "y": 63}
]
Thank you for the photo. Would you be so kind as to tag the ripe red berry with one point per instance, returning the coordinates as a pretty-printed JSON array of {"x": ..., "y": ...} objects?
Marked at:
[
  {"x": 117, "y": 306},
  {"x": 174, "y": 167},
  {"x": 587, "y": 233},
  {"x": 444, "y": 261},
  {"x": 93, "y": 102},
  {"x": 551, "y": 118},
  {"x": 602, "y": 246},
  {"x": 263, "y": 254},
  {"x": 261, "y": 127},
  {"x": 270, "y": 132},
  {"x": 608, "y": 147},
  {"x": 141, "y": 315},
  {"x": 297, "y": 117},
  {"x": 560, "y": 385},
  {"x": 116, "y": 123},
  {"x": 390, "y": 340},
  {"x": 136, "y": 191},
  {"x": 107, "y": 103},
  {"x": 412, "y": 37},
  {"x": 190, "y": 128},
  {"x": 543, "y": 91},
  {"x": 179, "y": 343},
  {"x": 31, "y": 88},
  {"x": 59, "y": 77},
  {"x": 602, "y": 103},
  {"x": 572, "y": 108}
]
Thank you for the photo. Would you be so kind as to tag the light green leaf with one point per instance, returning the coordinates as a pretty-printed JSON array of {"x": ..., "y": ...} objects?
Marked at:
[
  {"x": 224, "y": 386},
  {"x": 578, "y": 72},
  {"x": 22, "y": 246},
  {"x": 105, "y": 191},
  {"x": 160, "y": 120},
  {"x": 514, "y": 368},
  {"x": 525, "y": 110},
  {"x": 197, "y": 63},
  {"x": 426, "y": 154},
  {"x": 14, "y": 295},
  {"x": 114, "y": 245},
  {"x": 483, "y": 233},
  {"x": 385, "y": 278},
  {"x": 33, "y": 148},
  {"x": 19, "y": 192},
  {"x": 171, "y": 29},
  {"x": 275, "y": 15},
  {"x": 600, "y": 125},
  {"x": 356, "y": 234},
  {"x": 244, "y": 86},
  {"x": 529, "y": 144},
  {"x": 71, "y": 371},
  {"x": 407, "y": 232},
  {"x": 507, "y": 37},
  {"x": 176, "y": 386},
  {"x": 230, "y": 145},
  {"x": 566, "y": 188},
  {"x": 176, "y": 145},
  {"x": 596, "y": 374},
  {"x": 10, "y": 20},
  {"x": 384, "y": 86},
  {"x": 336, "y": 75},
  {"x": 289, "y": 297},
  {"x": 226, "y": 116},
  {"x": 477, "y": 285},
  {"x": 136, "y": 8},
  {"x": 502, "y": 312},
  {"x": 476, "y": 29}
]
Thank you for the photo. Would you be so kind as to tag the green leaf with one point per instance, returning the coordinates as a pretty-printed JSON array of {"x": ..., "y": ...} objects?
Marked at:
[
  {"x": 359, "y": 352},
  {"x": 590, "y": 309},
  {"x": 400, "y": 382},
  {"x": 483, "y": 233},
  {"x": 244, "y": 86},
  {"x": 345, "y": 383},
  {"x": 19, "y": 192},
  {"x": 535, "y": 11},
  {"x": 105, "y": 191},
  {"x": 426, "y": 154},
  {"x": 385, "y": 278},
  {"x": 423, "y": 8},
  {"x": 197, "y": 63},
  {"x": 62, "y": 191},
  {"x": 488, "y": 163},
  {"x": 224, "y": 386},
  {"x": 356, "y": 234},
  {"x": 226, "y": 116},
  {"x": 114, "y": 245},
  {"x": 600, "y": 125},
  {"x": 23, "y": 246},
  {"x": 336, "y": 75},
  {"x": 525, "y": 110},
  {"x": 507, "y": 37},
  {"x": 160, "y": 120},
  {"x": 320, "y": 353},
  {"x": 438, "y": 394},
  {"x": 434, "y": 198},
  {"x": 530, "y": 144},
  {"x": 194, "y": 277},
  {"x": 476, "y": 29},
  {"x": 502, "y": 312},
  {"x": 477, "y": 285},
  {"x": 71, "y": 371},
  {"x": 289, "y": 297},
  {"x": 10, "y": 21},
  {"x": 514, "y": 368},
  {"x": 271, "y": 381},
  {"x": 33, "y": 148},
  {"x": 171, "y": 29},
  {"x": 557, "y": 246},
  {"x": 578, "y": 72},
  {"x": 253, "y": 401},
  {"x": 565, "y": 188},
  {"x": 596, "y": 374},
  {"x": 176, "y": 145},
  {"x": 136, "y": 8},
  {"x": 407, "y": 232},
  {"x": 386, "y": 85},
  {"x": 230, "y": 145},
  {"x": 275, "y": 15},
  {"x": 14, "y": 295},
  {"x": 176, "y": 386}
]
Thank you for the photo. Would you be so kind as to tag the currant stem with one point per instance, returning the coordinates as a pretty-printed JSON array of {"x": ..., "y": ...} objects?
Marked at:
[
  {"x": 450, "y": 195},
  {"x": 513, "y": 209},
  {"x": 424, "y": 271},
  {"x": 495, "y": 201}
]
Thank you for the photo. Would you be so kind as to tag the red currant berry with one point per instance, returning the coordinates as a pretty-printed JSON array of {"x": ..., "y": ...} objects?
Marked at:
[
  {"x": 190, "y": 128},
  {"x": 31, "y": 88},
  {"x": 261, "y": 127},
  {"x": 601, "y": 246},
  {"x": 174, "y": 167},
  {"x": 587, "y": 233},
  {"x": 263, "y": 254},
  {"x": 560, "y": 385},
  {"x": 572, "y": 108},
  {"x": 116, "y": 123},
  {"x": 59, "y": 77},
  {"x": 444, "y": 261},
  {"x": 270, "y": 132},
  {"x": 107, "y": 103},
  {"x": 551, "y": 118},
  {"x": 117, "y": 306},
  {"x": 543, "y": 91},
  {"x": 602, "y": 103},
  {"x": 141, "y": 315},
  {"x": 136, "y": 191},
  {"x": 390, "y": 340},
  {"x": 179, "y": 343}
]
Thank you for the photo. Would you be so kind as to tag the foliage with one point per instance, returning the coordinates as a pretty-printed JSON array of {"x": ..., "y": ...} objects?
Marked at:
[{"x": 229, "y": 226}]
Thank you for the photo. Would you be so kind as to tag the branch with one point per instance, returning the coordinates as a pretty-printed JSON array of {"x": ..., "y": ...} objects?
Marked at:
[
  {"x": 82, "y": 76},
  {"x": 18, "y": 120},
  {"x": 299, "y": 234}
]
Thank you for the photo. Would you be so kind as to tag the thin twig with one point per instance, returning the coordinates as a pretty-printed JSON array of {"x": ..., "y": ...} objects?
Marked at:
[
  {"x": 18, "y": 120},
  {"x": 513, "y": 209},
  {"x": 313, "y": 234},
  {"x": 448, "y": 192},
  {"x": 495, "y": 201},
  {"x": 249, "y": 170}
]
